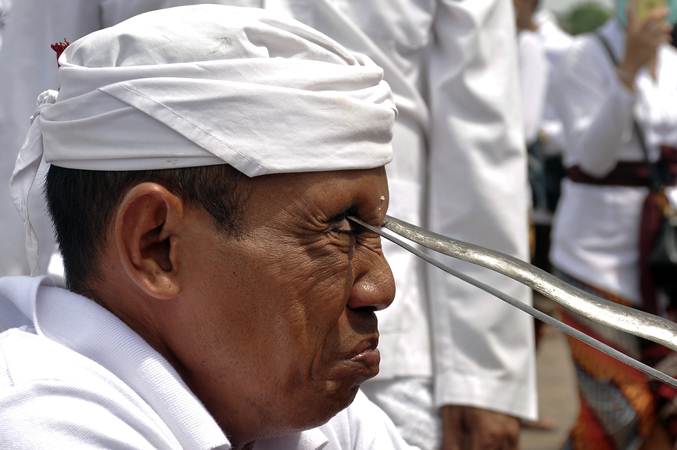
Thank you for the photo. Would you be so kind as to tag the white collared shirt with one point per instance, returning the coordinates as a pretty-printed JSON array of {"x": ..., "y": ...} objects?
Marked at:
[{"x": 75, "y": 376}]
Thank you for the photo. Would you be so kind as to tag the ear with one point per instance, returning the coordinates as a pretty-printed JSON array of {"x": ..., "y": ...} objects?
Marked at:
[{"x": 145, "y": 229}]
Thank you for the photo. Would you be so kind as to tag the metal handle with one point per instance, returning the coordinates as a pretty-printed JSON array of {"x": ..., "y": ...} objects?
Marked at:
[{"x": 596, "y": 309}]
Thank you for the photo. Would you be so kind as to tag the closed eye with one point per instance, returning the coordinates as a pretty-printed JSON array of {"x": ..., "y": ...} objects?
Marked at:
[{"x": 342, "y": 225}]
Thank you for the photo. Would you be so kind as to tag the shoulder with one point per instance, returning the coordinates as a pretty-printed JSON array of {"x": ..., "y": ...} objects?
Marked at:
[
  {"x": 583, "y": 49},
  {"x": 52, "y": 397},
  {"x": 585, "y": 66}
]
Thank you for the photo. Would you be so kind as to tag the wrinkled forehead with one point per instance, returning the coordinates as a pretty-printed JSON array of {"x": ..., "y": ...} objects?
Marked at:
[{"x": 322, "y": 195}]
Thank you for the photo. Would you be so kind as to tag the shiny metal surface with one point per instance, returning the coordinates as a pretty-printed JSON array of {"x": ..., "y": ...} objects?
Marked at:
[{"x": 580, "y": 302}]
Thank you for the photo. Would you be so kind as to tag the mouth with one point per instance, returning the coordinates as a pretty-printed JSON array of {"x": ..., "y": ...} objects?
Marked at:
[
  {"x": 366, "y": 352},
  {"x": 363, "y": 361},
  {"x": 350, "y": 369}
]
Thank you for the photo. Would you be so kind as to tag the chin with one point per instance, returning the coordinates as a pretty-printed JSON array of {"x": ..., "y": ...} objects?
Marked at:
[{"x": 325, "y": 406}]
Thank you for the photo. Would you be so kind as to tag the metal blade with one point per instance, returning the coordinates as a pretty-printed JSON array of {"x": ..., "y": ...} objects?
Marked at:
[{"x": 592, "y": 307}]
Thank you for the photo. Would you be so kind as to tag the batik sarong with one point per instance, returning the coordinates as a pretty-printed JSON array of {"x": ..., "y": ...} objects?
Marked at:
[{"x": 618, "y": 404}]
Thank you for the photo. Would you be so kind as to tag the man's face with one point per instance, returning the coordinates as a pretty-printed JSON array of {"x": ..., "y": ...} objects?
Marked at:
[{"x": 278, "y": 326}]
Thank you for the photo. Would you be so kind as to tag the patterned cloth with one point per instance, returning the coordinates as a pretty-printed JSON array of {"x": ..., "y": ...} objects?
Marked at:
[{"x": 619, "y": 405}]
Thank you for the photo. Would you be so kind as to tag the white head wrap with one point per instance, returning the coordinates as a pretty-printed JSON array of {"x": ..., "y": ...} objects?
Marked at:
[{"x": 204, "y": 85}]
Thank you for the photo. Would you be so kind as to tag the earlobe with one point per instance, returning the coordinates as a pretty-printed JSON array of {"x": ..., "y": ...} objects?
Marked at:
[{"x": 145, "y": 229}]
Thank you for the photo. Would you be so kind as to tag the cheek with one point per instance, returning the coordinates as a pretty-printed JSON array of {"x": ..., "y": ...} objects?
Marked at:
[
  {"x": 276, "y": 311},
  {"x": 313, "y": 286},
  {"x": 317, "y": 290}
]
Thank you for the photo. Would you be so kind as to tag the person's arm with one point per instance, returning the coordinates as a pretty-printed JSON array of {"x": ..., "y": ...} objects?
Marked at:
[
  {"x": 533, "y": 68},
  {"x": 598, "y": 99},
  {"x": 484, "y": 351},
  {"x": 596, "y": 109}
]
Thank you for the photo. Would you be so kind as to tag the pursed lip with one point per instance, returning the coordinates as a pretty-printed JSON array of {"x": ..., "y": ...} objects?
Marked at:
[
  {"x": 364, "y": 347},
  {"x": 360, "y": 363}
]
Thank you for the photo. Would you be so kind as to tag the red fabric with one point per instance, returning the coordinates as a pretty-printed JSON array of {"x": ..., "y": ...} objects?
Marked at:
[
  {"x": 628, "y": 173},
  {"x": 59, "y": 47},
  {"x": 651, "y": 219}
]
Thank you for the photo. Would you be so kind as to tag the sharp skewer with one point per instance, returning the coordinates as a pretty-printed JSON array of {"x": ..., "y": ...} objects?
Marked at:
[{"x": 592, "y": 307}]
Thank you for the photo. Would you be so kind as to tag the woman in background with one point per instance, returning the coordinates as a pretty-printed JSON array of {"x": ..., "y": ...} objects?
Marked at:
[{"x": 596, "y": 233}]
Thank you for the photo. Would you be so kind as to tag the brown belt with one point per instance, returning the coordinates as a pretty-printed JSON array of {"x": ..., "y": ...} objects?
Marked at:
[{"x": 629, "y": 173}]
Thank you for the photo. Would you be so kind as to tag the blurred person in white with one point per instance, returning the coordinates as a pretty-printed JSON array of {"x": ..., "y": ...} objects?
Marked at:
[
  {"x": 541, "y": 44},
  {"x": 598, "y": 228},
  {"x": 448, "y": 350}
]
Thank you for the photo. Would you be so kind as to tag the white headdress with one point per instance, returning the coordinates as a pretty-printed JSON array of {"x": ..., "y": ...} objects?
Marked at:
[{"x": 204, "y": 85}]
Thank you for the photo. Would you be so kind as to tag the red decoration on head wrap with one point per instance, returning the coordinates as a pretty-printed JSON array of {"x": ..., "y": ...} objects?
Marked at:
[{"x": 59, "y": 47}]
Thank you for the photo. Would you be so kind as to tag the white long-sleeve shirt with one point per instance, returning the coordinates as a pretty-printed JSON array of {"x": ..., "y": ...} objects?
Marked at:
[
  {"x": 596, "y": 229},
  {"x": 74, "y": 376},
  {"x": 459, "y": 131}
]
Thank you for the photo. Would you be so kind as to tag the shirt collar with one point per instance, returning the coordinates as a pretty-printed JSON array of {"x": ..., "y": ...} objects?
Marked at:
[
  {"x": 97, "y": 334},
  {"x": 94, "y": 332}
]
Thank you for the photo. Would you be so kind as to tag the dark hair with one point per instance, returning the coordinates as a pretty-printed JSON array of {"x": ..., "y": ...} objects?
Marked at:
[{"x": 82, "y": 203}]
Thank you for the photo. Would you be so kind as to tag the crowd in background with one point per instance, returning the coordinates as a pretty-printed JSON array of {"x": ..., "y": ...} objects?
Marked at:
[{"x": 606, "y": 103}]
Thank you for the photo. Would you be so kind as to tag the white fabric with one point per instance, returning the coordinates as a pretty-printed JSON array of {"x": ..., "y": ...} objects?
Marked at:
[
  {"x": 596, "y": 228},
  {"x": 484, "y": 354},
  {"x": 533, "y": 82},
  {"x": 408, "y": 401},
  {"x": 28, "y": 68},
  {"x": 5, "y": 6},
  {"x": 478, "y": 156},
  {"x": 203, "y": 85},
  {"x": 555, "y": 43},
  {"x": 77, "y": 377}
]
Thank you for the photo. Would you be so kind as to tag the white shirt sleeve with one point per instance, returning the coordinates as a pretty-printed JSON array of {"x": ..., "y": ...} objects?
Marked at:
[
  {"x": 596, "y": 108},
  {"x": 533, "y": 67},
  {"x": 484, "y": 352}
]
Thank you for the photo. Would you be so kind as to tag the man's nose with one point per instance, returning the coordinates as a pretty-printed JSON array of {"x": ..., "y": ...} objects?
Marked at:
[{"x": 374, "y": 285}]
